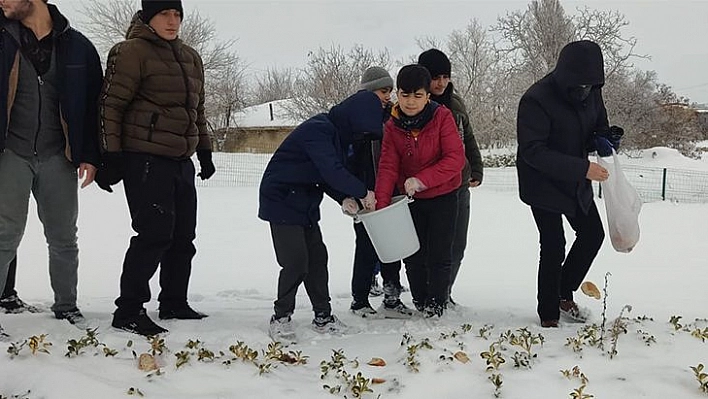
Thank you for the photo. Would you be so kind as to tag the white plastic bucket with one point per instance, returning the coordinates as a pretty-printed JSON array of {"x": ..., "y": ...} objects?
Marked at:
[{"x": 391, "y": 230}]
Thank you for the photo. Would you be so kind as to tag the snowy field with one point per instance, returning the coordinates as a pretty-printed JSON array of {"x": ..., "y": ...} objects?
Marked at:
[{"x": 234, "y": 281}]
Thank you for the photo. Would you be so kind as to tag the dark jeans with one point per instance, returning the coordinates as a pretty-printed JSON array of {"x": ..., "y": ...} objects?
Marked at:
[
  {"x": 428, "y": 269},
  {"x": 302, "y": 256},
  {"x": 163, "y": 206},
  {"x": 560, "y": 275},
  {"x": 365, "y": 262},
  {"x": 10, "y": 282},
  {"x": 461, "y": 227}
]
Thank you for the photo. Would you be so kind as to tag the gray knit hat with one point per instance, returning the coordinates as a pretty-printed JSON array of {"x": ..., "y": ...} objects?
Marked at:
[{"x": 375, "y": 78}]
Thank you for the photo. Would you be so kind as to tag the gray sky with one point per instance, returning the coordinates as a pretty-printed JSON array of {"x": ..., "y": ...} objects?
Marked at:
[{"x": 280, "y": 33}]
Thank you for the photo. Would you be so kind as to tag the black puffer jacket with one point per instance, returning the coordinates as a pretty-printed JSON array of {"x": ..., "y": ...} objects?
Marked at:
[{"x": 555, "y": 132}]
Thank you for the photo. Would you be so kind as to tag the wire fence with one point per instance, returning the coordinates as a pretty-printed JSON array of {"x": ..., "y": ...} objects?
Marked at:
[{"x": 653, "y": 184}]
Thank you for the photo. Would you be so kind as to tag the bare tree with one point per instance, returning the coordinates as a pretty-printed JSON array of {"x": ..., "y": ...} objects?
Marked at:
[
  {"x": 106, "y": 23},
  {"x": 200, "y": 33},
  {"x": 533, "y": 38},
  {"x": 330, "y": 76},
  {"x": 606, "y": 29},
  {"x": 226, "y": 94},
  {"x": 274, "y": 84},
  {"x": 531, "y": 41}
]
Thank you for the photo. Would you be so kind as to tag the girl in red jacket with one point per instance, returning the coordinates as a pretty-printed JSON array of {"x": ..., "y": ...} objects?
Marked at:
[{"x": 422, "y": 155}]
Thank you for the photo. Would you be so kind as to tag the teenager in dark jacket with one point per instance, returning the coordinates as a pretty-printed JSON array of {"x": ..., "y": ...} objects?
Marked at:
[
  {"x": 363, "y": 162},
  {"x": 559, "y": 120},
  {"x": 309, "y": 163},
  {"x": 443, "y": 92},
  {"x": 422, "y": 155},
  {"x": 50, "y": 79},
  {"x": 152, "y": 122}
]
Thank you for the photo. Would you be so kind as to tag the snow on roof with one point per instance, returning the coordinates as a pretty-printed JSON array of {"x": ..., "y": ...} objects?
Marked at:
[{"x": 260, "y": 115}]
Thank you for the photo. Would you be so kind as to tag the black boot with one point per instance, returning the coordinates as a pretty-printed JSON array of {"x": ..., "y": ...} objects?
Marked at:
[
  {"x": 138, "y": 324},
  {"x": 184, "y": 312}
]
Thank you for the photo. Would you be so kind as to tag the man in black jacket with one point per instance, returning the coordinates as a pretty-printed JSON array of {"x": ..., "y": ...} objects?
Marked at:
[
  {"x": 50, "y": 79},
  {"x": 559, "y": 121}
]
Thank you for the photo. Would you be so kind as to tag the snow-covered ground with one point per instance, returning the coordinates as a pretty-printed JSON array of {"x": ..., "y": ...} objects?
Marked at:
[{"x": 234, "y": 280}]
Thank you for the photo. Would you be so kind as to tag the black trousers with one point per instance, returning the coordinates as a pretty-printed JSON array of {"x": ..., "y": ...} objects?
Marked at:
[
  {"x": 365, "y": 260},
  {"x": 560, "y": 275},
  {"x": 11, "y": 280},
  {"x": 428, "y": 270},
  {"x": 302, "y": 256},
  {"x": 162, "y": 200},
  {"x": 459, "y": 243}
]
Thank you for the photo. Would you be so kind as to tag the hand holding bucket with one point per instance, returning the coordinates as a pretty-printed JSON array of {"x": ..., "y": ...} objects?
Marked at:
[
  {"x": 391, "y": 230},
  {"x": 413, "y": 185}
]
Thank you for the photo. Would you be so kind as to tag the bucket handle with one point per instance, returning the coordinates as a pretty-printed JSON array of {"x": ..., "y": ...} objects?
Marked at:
[{"x": 357, "y": 219}]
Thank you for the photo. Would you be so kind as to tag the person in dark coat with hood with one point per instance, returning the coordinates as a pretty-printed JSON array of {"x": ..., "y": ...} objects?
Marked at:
[
  {"x": 309, "y": 163},
  {"x": 363, "y": 163},
  {"x": 560, "y": 118}
]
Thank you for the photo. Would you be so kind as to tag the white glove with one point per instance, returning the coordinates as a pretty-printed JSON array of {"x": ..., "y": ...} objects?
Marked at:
[
  {"x": 349, "y": 206},
  {"x": 369, "y": 201},
  {"x": 413, "y": 185}
]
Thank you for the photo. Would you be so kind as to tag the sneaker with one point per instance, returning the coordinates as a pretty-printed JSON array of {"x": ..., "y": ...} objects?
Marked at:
[
  {"x": 571, "y": 311},
  {"x": 73, "y": 316},
  {"x": 396, "y": 310},
  {"x": 376, "y": 289},
  {"x": 181, "y": 313},
  {"x": 13, "y": 304},
  {"x": 4, "y": 337},
  {"x": 419, "y": 306},
  {"x": 329, "y": 325},
  {"x": 138, "y": 324},
  {"x": 433, "y": 310},
  {"x": 549, "y": 323},
  {"x": 282, "y": 330},
  {"x": 363, "y": 309}
]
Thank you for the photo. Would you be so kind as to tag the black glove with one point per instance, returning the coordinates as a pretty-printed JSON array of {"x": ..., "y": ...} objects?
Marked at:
[
  {"x": 205, "y": 164},
  {"x": 111, "y": 171},
  {"x": 613, "y": 135},
  {"x": 603, "y": 146}
]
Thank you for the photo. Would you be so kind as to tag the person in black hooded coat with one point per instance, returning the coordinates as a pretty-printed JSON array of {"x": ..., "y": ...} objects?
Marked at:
[
  {"x": 559, "y": 118},
  {"x": 309, "y": 163}
]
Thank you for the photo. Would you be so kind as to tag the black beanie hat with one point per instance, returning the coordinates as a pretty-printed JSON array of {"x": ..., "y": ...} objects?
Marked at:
[
  {"x": 436, "y": 62},
  {"x": 153, "y": 7}
]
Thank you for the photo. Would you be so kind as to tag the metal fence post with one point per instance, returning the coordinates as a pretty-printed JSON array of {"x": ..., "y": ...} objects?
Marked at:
[{"x": 663, "y": 186}]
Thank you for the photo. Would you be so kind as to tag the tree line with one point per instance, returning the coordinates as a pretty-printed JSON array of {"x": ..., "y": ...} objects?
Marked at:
[{"x": 491, "y": 65}]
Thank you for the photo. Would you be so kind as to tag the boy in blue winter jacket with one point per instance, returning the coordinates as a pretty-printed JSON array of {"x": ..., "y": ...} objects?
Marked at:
[{"x": 309, "y": 163}]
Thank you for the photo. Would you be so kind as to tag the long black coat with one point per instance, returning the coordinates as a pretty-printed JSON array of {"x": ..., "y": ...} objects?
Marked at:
[
  {"x": 555, "y": 132},
  {"x": 311, "y": 161}
]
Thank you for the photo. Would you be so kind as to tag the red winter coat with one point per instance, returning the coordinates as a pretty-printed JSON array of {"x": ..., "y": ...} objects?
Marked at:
[{"x": 435, "y": 156}]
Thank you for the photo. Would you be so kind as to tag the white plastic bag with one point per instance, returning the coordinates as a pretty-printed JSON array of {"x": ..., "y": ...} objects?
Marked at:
[{"x": 622, "y": 203}]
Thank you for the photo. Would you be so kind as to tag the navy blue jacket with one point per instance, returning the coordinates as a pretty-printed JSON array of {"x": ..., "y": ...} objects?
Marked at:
[
  {"x": 80, "y": 73},
  {"x": 555, "y": 132},
  {"x": 311, "y": 161}
]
